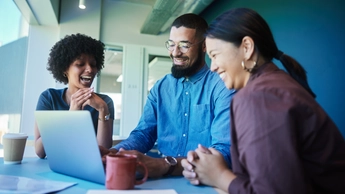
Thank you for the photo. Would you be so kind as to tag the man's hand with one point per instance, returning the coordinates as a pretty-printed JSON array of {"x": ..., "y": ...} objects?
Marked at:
[
  {"x": 104, "y": 152},
  {"x": 156, "y": 166}
]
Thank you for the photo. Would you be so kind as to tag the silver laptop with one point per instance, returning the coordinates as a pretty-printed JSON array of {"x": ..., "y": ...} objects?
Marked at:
[{"x": 70, "y": 144}]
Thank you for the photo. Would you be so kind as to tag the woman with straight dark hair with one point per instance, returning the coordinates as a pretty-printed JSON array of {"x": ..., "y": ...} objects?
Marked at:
[{"x": 282, "y": 139}]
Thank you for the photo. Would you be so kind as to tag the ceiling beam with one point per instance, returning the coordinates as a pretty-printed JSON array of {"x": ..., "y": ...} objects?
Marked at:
[
  {"x": 38, "y": 12},
  {"x": 166, "y": 11}
]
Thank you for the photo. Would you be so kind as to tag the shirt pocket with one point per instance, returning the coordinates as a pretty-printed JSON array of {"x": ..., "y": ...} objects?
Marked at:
[{"x": 200, "y": 118}]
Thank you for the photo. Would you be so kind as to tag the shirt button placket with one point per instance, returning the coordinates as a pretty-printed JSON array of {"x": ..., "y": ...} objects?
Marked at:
[{"x": 187, "y": 102}]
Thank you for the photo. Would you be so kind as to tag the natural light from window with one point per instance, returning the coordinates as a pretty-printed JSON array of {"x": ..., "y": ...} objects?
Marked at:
[{"x": 13, "y": 44}]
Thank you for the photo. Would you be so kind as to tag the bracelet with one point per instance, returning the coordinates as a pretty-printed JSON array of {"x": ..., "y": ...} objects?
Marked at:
[
  {"x": 106, "y": 118},
  {"x": 172, "y": 164},
  {"x": 171, "y": 169}
]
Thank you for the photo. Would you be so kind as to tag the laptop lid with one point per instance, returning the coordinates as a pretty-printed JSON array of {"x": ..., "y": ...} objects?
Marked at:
[{"x": 70, "y": 144}]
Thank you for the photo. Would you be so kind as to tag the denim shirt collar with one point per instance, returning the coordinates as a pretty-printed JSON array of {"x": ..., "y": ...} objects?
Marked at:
[{"x": 197, "y": 76}]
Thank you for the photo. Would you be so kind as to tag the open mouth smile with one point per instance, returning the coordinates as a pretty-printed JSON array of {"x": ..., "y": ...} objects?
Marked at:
[
  {"x": 180, "y": 61},
  {"x": 222, "y": 75},
  {"x": 86, "y": 79}
]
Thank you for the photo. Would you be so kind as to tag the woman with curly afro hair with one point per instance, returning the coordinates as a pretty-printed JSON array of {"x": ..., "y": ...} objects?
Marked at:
[{"x": 76, "y": 60}]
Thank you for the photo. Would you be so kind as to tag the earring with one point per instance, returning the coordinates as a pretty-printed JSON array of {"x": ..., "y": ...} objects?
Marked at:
[
  {"x": 64, "y": 74},
  {"x": 242, "y": 63},
  {"x": 248, "y": 69}
]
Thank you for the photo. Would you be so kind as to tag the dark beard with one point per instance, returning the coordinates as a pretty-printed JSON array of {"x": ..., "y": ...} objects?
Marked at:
[{"x": 178, "y": 71}]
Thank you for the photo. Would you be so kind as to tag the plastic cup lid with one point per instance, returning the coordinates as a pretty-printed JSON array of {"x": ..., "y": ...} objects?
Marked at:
[{"x": 15, "y": 136}]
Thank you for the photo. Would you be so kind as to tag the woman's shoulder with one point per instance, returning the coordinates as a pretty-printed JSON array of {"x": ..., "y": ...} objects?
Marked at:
[
  {"x": 53, "y": 92},
  {"x": 278, "y": 81},
  {"x": 277, "y": 86}
]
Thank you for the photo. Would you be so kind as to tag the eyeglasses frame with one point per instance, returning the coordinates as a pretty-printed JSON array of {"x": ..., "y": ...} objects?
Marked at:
[{"x": 167, "y": 46}]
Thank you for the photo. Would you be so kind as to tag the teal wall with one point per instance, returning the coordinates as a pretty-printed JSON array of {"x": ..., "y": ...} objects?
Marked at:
[{"x": 311, "y": 31}]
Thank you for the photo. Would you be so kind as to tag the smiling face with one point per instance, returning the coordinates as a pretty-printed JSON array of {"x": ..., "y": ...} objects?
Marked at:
[
  {"x": 81, "y": 72},
  {"x": 186, "y": 64},
  {"x": 226, "y": 61}
]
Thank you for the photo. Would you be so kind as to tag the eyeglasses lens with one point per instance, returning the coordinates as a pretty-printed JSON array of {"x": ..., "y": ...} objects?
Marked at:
[{"x": 182, "y": 46}]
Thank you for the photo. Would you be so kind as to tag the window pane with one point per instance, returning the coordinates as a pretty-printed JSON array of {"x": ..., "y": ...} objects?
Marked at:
[
  {"x": 13, "y": 49},
  {"x": 159, "y": 66},
  {"x": 110, "y": 82}
]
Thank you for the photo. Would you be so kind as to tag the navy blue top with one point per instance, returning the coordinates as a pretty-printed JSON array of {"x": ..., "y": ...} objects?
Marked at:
[{"x": 52, "y": 99}]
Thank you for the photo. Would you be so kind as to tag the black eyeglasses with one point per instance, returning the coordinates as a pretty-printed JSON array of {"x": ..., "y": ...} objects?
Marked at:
[{"x": 183, "y": 46}]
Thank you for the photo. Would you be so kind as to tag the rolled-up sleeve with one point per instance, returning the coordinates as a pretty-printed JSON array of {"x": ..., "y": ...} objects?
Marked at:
[
  {"x": 220, "y": 128},
  {"x": 144, "y": 136}
]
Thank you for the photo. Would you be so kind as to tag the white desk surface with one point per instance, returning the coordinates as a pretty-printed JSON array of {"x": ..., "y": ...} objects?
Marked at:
[{"x": 33, "y": 167}]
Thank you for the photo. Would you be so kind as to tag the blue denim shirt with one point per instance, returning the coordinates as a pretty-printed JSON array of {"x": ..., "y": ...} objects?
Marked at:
[{"x": 182, "y": 113}]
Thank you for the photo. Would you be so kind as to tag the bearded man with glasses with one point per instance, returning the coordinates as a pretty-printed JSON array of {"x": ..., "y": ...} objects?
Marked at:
[
  {"x": 188, "y": 107},
  {"x": 178, "y": 70}
]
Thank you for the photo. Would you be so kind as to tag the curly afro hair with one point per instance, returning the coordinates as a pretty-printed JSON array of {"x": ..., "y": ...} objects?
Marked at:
[{"x": 68, "y": 49}]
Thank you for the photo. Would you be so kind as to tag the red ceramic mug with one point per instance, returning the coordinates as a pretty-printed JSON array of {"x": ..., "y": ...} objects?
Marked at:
[{"x": 120, "y": 171}]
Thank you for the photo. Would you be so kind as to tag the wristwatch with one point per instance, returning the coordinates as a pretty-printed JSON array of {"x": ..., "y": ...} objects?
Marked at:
[
  {"x": 106, "y": 118},
  {"x": 172, "y": 163}
]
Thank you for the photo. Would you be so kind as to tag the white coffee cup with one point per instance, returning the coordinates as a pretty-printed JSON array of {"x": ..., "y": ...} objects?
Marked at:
[{"x": 14, "y": 146}]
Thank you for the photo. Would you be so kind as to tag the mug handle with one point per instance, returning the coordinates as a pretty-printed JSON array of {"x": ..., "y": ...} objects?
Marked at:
[{"x": 139, "y": 182}]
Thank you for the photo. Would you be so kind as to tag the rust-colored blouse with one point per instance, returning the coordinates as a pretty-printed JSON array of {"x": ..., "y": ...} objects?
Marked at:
[{"x": 282, "y": 140}]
